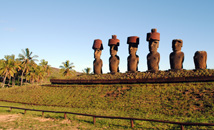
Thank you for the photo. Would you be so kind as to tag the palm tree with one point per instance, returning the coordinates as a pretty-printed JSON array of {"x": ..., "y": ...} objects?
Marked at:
[
  {"x": 30, "y": 72},
  {"x": 87, "y": 70},
  {"x": 31, "y": 75},
  {"x": 8, "y": 67},
  {"x": 26, "y": 57},
  {"x": 39, "y": 73},
  {"x": 46, "y": 67},
  {"x": 17, "y": 65},
  {"x": 28, "y": 69},
  {"x": 67, "y": 67}
]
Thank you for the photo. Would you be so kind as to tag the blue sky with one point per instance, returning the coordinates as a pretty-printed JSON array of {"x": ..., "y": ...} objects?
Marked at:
[{"x": 60, "y": 30}]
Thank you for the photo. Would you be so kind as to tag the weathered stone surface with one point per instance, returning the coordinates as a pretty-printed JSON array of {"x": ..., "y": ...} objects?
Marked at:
[
  {"x": 133, "y": 40},
  {"x": 98, "y": 63},
  {"x": 200, "y": 59},
  {"x": 177, "y": 56},
  {"x": 154, "y": 35},
  {"x": 114, "y": 60},
  {"x": 114, "y": 41},
  {"x": 97, "y": 44},
  {"x": 133, "y": 59},
  {"x": 153, "y": 58}
]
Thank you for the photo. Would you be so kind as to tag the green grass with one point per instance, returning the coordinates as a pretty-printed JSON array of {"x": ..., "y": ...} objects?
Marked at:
[
  {"x": 34, "y": 120},
  {"x": 183, "y": 102}
]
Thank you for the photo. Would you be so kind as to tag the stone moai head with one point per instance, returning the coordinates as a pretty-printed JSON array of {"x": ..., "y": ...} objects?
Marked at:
[
  {"x": 200, "y": 60},
  {"x": 133, "y": 59},
  {"x": 153, "y": 58},
  {"x": 133, "y": 42},
  {"x": 98, "y": 47},
  {"x": 98, "y": 63},
  {"x": 114, "y": 60},
  {"x": 113, "y": 44},
  {"x": 177, "y": 44},
  {"x": 177, "y": 56},
  {"x": 153, "y": 38}
]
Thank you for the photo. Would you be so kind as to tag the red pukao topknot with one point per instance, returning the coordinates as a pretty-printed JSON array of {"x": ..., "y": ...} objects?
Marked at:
[
  {"x": 97, "y": 44},
  {"x": 154, "y": 35}
]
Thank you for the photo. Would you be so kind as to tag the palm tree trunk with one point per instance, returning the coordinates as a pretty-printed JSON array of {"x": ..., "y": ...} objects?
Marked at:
[
  {"x": 9, "y": 81},
  {"x": 13, "y": 81},
  {"x": 4, "y": 79},
  {"x": 23, "y": 75}
]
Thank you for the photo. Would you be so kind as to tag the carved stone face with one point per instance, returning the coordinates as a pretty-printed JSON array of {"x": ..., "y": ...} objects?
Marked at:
[
  {"x": 177, "y": 45},
  {"x": 133, "y": 49},
  {"x": 97, "y": 53},
  {"x": 113, "y": 50},
  {"x": 153, "y": 45}
]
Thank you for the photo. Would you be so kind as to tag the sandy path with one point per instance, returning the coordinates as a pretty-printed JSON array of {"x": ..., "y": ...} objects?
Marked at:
[
  {"x": 11, "y": 117},
  {"x": 6, "y": 118}
]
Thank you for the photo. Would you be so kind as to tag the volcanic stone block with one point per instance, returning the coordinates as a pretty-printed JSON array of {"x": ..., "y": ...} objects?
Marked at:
[
  {"x": 177, "y": 56},
  {"x": 97, "y": 44},
  {"x": 133, "y": 40},
  {"x": 98, "y": 63},
  {"x": 154, "y": 35},
  {"x": 153, "y": 58},
  {"x": 114, "y": 60},
  {"x": 200, "y": 59},
  {"x": 133, "y": 59},
  {"x": 114, "y": 41}
]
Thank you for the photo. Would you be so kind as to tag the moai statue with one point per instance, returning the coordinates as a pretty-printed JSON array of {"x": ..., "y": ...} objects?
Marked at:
[
  {"x": 114, "y": 60},
  {"x": 200, "y": 60},
  {"x": 133, "y": 59},
  {"x": 177, "y": 56},
  {"x": 153, "y": 58},
  {"x": 98, "y": 63}
]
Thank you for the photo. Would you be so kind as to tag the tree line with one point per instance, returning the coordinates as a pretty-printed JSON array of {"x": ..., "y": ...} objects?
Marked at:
[{"x": 16, "y": 71}]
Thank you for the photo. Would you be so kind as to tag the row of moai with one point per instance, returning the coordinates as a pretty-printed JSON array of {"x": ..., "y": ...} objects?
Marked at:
[{"x": 153, "y": 58}]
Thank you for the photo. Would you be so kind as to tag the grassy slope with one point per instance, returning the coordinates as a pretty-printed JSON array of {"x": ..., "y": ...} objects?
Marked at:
[
  {"x": 186, "y": 102},
  {"x": 175, "y": 102}
]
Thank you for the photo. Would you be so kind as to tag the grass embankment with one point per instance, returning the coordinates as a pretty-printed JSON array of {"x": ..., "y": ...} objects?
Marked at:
[
  {"x": 141, "y": 75},
  {"x": 184, "y": 102}
]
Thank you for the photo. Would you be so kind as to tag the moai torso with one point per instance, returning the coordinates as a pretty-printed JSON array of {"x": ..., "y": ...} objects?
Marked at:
[
  {"x": 200, "y": 60},
  {"x": 114, "y": 60},
  {"x": 176, "y": 60},
  {"x": 98, "y": 63},
  {"x": 114, "y": 64},
  {"x": 153, "y": 58},
  {"x": 133, "y": 59},
  {"x": 177, "y": 56}
]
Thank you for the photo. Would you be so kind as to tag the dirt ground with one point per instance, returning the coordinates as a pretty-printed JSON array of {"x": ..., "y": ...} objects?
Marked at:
[
  {"x": 8, "y": 118},
  {"x": 19, "y": 121}
]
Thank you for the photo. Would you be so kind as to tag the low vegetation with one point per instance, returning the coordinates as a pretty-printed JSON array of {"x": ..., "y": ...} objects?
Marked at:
[{"x": 185, "y": 102}]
